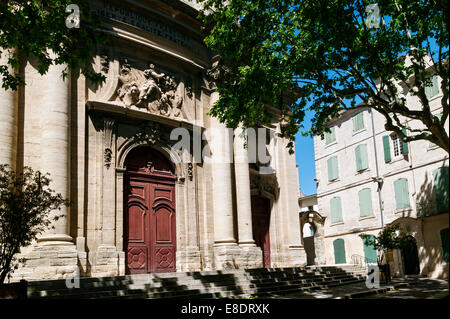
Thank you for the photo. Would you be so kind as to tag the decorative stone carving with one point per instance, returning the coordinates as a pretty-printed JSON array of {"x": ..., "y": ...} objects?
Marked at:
[
  {"x": 157, "y": 92},
  {"x": 148, "y": 133},
  {"x": 213, "y": 75},
  {"x": 264, "y": 183},
  {"x": 108, "y": 131}
]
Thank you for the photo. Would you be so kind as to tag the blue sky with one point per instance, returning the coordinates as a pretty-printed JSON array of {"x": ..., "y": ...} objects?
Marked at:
[{"x": 304, "y": 156}]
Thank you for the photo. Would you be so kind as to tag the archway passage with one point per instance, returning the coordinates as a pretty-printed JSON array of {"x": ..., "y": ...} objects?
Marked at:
[
  {"x": 149, "y": 206},
  {"x": 261, "y": 225},
  {"x": 308, "y": 243},
  {"x": 411, "y": 258}
]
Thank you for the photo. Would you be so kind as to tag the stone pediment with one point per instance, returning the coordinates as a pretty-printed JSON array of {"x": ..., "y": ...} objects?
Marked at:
[{"x": 148, "y": 90}]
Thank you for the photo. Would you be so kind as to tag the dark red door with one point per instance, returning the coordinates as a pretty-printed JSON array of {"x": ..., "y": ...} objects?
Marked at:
[
  {"x": 261, "y": 225},
  {"x": 149, "y": 223}
]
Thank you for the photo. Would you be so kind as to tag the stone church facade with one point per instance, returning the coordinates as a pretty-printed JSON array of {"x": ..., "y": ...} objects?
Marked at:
[{"x": 140, "y": 204}]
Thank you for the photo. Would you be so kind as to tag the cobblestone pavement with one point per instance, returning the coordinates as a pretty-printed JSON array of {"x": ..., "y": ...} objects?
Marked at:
[{"x": 417, "y": 288}]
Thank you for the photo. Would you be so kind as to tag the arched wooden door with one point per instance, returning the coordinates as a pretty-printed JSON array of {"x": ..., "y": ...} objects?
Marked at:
[
  {"x": 149, "y": 221},
  {"x": 339, "y": 251},
  {"x": 261, "y": 225}
]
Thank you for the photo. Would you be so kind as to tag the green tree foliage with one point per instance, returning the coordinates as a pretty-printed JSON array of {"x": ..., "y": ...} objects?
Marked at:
[
  {"x": 26, "y": 201},
  {"x": 326, "y": 53},
  {"x": 31, "y": 29},
  {"x": 389, "y": 238}
]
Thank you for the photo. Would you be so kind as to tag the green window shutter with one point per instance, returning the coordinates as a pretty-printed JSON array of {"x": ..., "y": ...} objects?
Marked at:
[
  {"x": 432, "y": 89},
  {"x": 441, "y": 188},
  {"x": 361, "y": 157},
  {"x": 370, "y": 253},
  {"x": 358, "y": 122},
  {"x": 330, "y": 137},
  {"x": 387, "y": 149},
  {"x": 445, "y": 244},
  {"x": 339, "y": 251},
  {"x": 365, "y": 202},
  {"x": 401, "y": 193},
  {"x": 333, "y": 172},
  {"x": 336, "y": 210},
  {"x": 358, "y": 158},
  {"x": 405, "y": 150}
]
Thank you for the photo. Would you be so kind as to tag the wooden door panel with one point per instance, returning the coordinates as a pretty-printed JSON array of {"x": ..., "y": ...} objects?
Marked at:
[
  {"x": 137, "y": 259},
  {"x": 163, "y": 225},
  {"x": 261, "y": 227},
  {"x": 149, "y": 199},
  {"x": 136, "y": 223}
]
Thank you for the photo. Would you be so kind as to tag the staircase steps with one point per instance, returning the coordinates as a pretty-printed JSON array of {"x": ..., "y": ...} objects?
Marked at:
[{"x": 205, "y": 284}]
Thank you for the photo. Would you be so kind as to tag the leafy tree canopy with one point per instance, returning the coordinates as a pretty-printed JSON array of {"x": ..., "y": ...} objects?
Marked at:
[
  {"x": 32, "y": 29},
  {"x": 334, "y": 57}
]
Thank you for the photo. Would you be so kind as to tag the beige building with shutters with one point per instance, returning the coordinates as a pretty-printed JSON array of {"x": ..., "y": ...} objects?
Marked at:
[{"x": 368, "y": 178}]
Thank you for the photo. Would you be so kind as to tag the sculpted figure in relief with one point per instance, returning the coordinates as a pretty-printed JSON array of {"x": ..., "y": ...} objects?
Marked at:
[{"x": 155, "y": 91}]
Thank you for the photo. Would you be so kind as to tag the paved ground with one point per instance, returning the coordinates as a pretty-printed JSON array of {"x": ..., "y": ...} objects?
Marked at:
[{"x": 418, "y": 288}]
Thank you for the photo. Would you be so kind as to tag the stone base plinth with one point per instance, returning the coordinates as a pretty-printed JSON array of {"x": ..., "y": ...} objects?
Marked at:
[
  {"x": 250, "y": 257},
  {"x": 188, "y": 259},
  {"x": 105, "y": 262},
  {"x": 226, "y": 256},
  {"x": 47, "y": 260}
]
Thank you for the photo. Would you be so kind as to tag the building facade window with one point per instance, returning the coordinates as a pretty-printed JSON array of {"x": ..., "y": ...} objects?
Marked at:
[
  {"x": 441, "y": 188},
  {"x": 398, "y": 146},
  {"x": 358, "y": 122},
  {"x": 401, "y": 193},
  {"x": 361, "y": 157},
  {"x": 339, "y": 251},
  {"x": 432, "y": 89},
  {"x": 336, "y": 210},
  {"x": 331, "y": 136},
  {"x": 333, "y": 170},
  {"x": 439, "y": 116},
  {"x": 365, "y": 202}
]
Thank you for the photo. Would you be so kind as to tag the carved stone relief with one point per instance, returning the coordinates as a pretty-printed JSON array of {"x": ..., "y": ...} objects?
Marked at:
[{"x": 108, "y": 134}]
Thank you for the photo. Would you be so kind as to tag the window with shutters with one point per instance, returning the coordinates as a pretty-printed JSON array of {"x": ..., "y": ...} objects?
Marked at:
[
  {"x": 358, "y": 122},
  {"x": 397, "y": 145},
  {"x": 361, "y": 157},
  {"x": 432, "y": 89},
  {"x": 336, "y": 210},
  {"x": 365, "y": 202},
  {"x": 441, "y": 188},
  {"x": 330, "y": 137},
  {"x": 333, "y": 170},
  {"x": 401, "y": 193}
]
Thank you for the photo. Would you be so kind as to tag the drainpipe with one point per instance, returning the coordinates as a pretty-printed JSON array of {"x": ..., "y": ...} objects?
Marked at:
[{"x": 379, "y": 182}]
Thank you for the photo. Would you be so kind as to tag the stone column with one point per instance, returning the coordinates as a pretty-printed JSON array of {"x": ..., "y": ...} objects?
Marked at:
[
  {"x": 47, "y": 97},
  {"x": 55, "y": 143},
  {"x": 226, "y": 250},
  {"x": 251, "y": 255},
  {"x": 8, "y": 120},
  {"x": 243, "y": 196}
]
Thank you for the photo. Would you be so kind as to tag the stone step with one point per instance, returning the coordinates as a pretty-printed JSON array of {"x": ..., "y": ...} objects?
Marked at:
[
  {"x": 220, "y": 286},
  {"x": 199, "y": 284},
  {"x": 172, "y": 280}
]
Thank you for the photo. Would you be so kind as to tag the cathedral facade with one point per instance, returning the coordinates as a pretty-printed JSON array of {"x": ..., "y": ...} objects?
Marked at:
[{"x": 156, "y": 184}]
